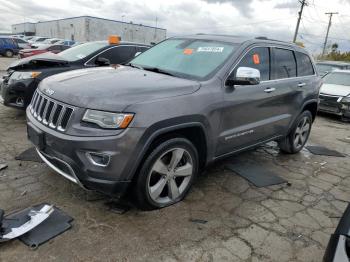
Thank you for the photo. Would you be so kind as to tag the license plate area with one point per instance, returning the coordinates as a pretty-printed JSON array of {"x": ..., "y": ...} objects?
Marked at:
[{"x": 36, "y": 136}]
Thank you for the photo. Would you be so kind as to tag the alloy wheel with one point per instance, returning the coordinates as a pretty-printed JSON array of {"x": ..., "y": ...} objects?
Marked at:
[
  {"x": 302, "y": 132},
  {"x": 170, "y": 176}
]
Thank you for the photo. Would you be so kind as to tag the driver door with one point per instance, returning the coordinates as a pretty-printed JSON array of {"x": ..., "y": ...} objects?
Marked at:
[{"x": 250, "y": 114}]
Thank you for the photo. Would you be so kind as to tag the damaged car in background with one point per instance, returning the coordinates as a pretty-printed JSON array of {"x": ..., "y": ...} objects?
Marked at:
[
  {"x": 24, "y": 75},
  {"x": 150, "y": 126},
  {"x": 335, "y": 94}
]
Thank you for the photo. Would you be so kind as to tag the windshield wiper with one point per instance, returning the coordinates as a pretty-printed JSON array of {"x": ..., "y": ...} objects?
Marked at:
[
  {"x": 134, "y": 66},
  {"x": 158, "y": 70}
]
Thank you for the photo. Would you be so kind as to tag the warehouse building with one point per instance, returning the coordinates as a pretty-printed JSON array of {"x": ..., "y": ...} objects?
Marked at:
[{"x": 88, "y": 28}]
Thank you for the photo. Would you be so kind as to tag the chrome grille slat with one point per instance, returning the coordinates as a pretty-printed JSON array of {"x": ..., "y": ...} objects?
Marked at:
[
  {"x": 45, "y": 111},
  {"x": 59, "y": 120},
  {"x": 49, "y": 112}
]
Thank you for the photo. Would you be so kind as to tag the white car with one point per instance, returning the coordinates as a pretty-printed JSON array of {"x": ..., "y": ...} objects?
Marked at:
[
  {"x": 335, "y": 93},
  {"x": 22, "y": 44},
  {"x": 49, "y": 41},
  {"x": 37, "y": 39}
]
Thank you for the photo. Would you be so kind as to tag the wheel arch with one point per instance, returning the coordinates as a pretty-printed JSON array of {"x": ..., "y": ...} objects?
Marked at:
[
  {"x": 195, "y": 132},
  {"x": 311, "y": 106}
]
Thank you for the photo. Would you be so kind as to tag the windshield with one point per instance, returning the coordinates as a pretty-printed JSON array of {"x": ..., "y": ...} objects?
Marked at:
[
  {"x": 40, "y": 39},
  {"x": 322, "y": 68},
  {"x": 337, "y": 78},
  {"x": 81, "y": 51},
  {"x": 189, "y": 58}
]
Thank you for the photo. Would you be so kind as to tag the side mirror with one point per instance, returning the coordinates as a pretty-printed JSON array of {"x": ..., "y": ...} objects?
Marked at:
[
  {"x": 244, "y": 76},
  {"x": 101, "y": 61},
  {"x": 137, "y": 54}
]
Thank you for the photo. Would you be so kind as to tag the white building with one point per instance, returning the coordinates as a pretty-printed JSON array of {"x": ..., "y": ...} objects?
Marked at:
[{"x": 88, "y": 28}]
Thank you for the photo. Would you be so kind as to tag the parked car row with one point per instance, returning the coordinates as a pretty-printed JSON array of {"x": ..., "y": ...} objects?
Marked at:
[
  {"x": 23, "y": 76},
  {"x": 11, "y": 45}
]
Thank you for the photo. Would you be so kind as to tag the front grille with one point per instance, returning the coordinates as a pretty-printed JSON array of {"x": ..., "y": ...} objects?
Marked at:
[{"x": 50, "y": 112}]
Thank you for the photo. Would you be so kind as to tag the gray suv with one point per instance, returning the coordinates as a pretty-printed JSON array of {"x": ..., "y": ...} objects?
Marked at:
[{"x": 152, "y": 124}]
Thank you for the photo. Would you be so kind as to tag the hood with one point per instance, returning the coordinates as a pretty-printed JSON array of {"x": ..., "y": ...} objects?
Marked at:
[
  {"x": 37, "y": 61},
  {"x": 114, "y": 88},
  {"x": 335, "y": 90}
]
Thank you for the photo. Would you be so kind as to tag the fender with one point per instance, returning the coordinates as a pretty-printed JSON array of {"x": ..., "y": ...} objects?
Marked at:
[
  {"x": 163, "y": 127},
  {"x": 310, "y": 101}
]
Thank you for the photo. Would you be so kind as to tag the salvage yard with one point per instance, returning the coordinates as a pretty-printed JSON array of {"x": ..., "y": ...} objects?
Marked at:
[{"x": 224, "y": 218}]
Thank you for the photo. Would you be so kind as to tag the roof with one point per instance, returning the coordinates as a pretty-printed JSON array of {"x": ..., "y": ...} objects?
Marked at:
[
  {"x": 236, "y": 39},
  {"x": 92, "y": 17},
  {"x": 340, "y": 71},
  {"x": 333, "y": 62},
  {"x": 120, "y": 43}
]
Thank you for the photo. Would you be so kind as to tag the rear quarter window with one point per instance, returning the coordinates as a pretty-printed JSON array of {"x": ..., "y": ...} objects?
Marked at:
[
  {"x": 304, "y": 64},
  {"x": 284, "y": 64}
]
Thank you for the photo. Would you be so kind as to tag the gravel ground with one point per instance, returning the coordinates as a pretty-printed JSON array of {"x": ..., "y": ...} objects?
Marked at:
[{"x": 244, "y": 223}]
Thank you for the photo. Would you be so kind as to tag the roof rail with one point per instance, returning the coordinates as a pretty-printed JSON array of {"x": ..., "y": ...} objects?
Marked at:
[{"x": 266, "y": 38}]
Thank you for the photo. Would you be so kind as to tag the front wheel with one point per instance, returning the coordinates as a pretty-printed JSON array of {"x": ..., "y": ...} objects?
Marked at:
[
  {"x": 299, "y": 134},
  {"x": 167, "y": 174},
  {"x": 9, "y": 53}
]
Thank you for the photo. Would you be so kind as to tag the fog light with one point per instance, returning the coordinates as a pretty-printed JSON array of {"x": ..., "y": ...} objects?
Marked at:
[
  {"x": 20, "y": 101},
  {"x": 98, "y": 159}
]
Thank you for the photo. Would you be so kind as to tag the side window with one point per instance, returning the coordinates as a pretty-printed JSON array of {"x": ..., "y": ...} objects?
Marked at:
[
  {"x": 258, "y": 58},
  {"x": 304, "y": 64},
  {"x": 142, "y": 49},
  {"x": 119, "y": 54},
  {"x": 284, "y": 65},
  {"x": 54, "y": 48}
]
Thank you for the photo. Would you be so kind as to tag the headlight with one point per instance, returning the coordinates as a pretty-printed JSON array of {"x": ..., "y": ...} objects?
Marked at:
[
  {"x": 108, "y": 119},
  {"x": 24, "y": 75},
  {"x": 345, "y": 100}
]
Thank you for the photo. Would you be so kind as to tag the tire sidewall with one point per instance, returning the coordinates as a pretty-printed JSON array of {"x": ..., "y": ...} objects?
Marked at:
[
  {"x": 8, "y": 53},
  {"x": 291, "y": 135},
  {"x": 142, "y": 180}
]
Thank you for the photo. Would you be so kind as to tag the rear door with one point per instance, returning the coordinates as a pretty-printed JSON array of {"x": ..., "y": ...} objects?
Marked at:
[
  {"x": 306, "y": 83},
  {"x": 252, "y": 113}
]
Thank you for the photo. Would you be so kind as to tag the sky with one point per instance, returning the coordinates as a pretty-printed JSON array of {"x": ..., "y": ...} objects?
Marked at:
[{"x": 272, "y": 18}]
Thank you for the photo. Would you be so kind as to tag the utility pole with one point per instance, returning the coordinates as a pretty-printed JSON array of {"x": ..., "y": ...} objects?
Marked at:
[
  {"x": 329, "y": 26},
  {"x": 303, "y": 3}
]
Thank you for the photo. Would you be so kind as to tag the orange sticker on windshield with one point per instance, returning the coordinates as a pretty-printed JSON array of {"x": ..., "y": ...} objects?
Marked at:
[
  {"x": 256, "y": 59},
  {"x": 188, "y": 51}
]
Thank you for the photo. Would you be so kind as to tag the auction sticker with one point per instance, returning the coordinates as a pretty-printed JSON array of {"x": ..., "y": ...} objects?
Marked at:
[{"x": 211, "y": 49}]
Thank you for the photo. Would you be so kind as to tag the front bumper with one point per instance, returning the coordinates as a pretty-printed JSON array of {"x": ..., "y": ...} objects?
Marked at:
[
  {"x": 67, "y": 155},
  {"x": 18, "y": 94},
  {"x": 332, "y": 104}
]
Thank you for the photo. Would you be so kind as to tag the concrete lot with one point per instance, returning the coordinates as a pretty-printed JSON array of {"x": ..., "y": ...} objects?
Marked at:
[
  {"x": 278, "y": 223},
  {"x": 245, "y": 223}
]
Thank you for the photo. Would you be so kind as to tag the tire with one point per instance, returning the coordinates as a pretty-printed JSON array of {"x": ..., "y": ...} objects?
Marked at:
[
  {"x": 167, "y": 174},
  {"x": 298, "y": 135},
  {"x": 9, "y": 53}
]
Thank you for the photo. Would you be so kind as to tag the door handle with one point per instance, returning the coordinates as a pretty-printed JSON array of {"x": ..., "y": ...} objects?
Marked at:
[
  {"x": 301, "y": 84},
  {"x": 269, "y": 89}
]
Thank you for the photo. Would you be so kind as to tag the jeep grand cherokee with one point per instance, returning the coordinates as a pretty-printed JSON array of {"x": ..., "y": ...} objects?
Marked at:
[{"x": 151, "y": 125}]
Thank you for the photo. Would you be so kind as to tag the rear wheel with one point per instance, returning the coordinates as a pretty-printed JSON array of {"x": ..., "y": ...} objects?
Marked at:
[
  {"x": 167, "y": 174},
  {"x": 299, "y": 134},
  {"x": 9, "y": 53}
]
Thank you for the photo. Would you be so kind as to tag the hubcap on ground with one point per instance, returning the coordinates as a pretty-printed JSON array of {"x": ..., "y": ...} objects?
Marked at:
[
  {"x": 170, "y": 176},
  {"x": 302, "y": 132}
]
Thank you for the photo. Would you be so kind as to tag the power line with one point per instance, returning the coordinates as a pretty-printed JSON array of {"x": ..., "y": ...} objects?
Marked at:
[
  {"x": 329, "y": 26},
  {"x": 300, "y": 13}
]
